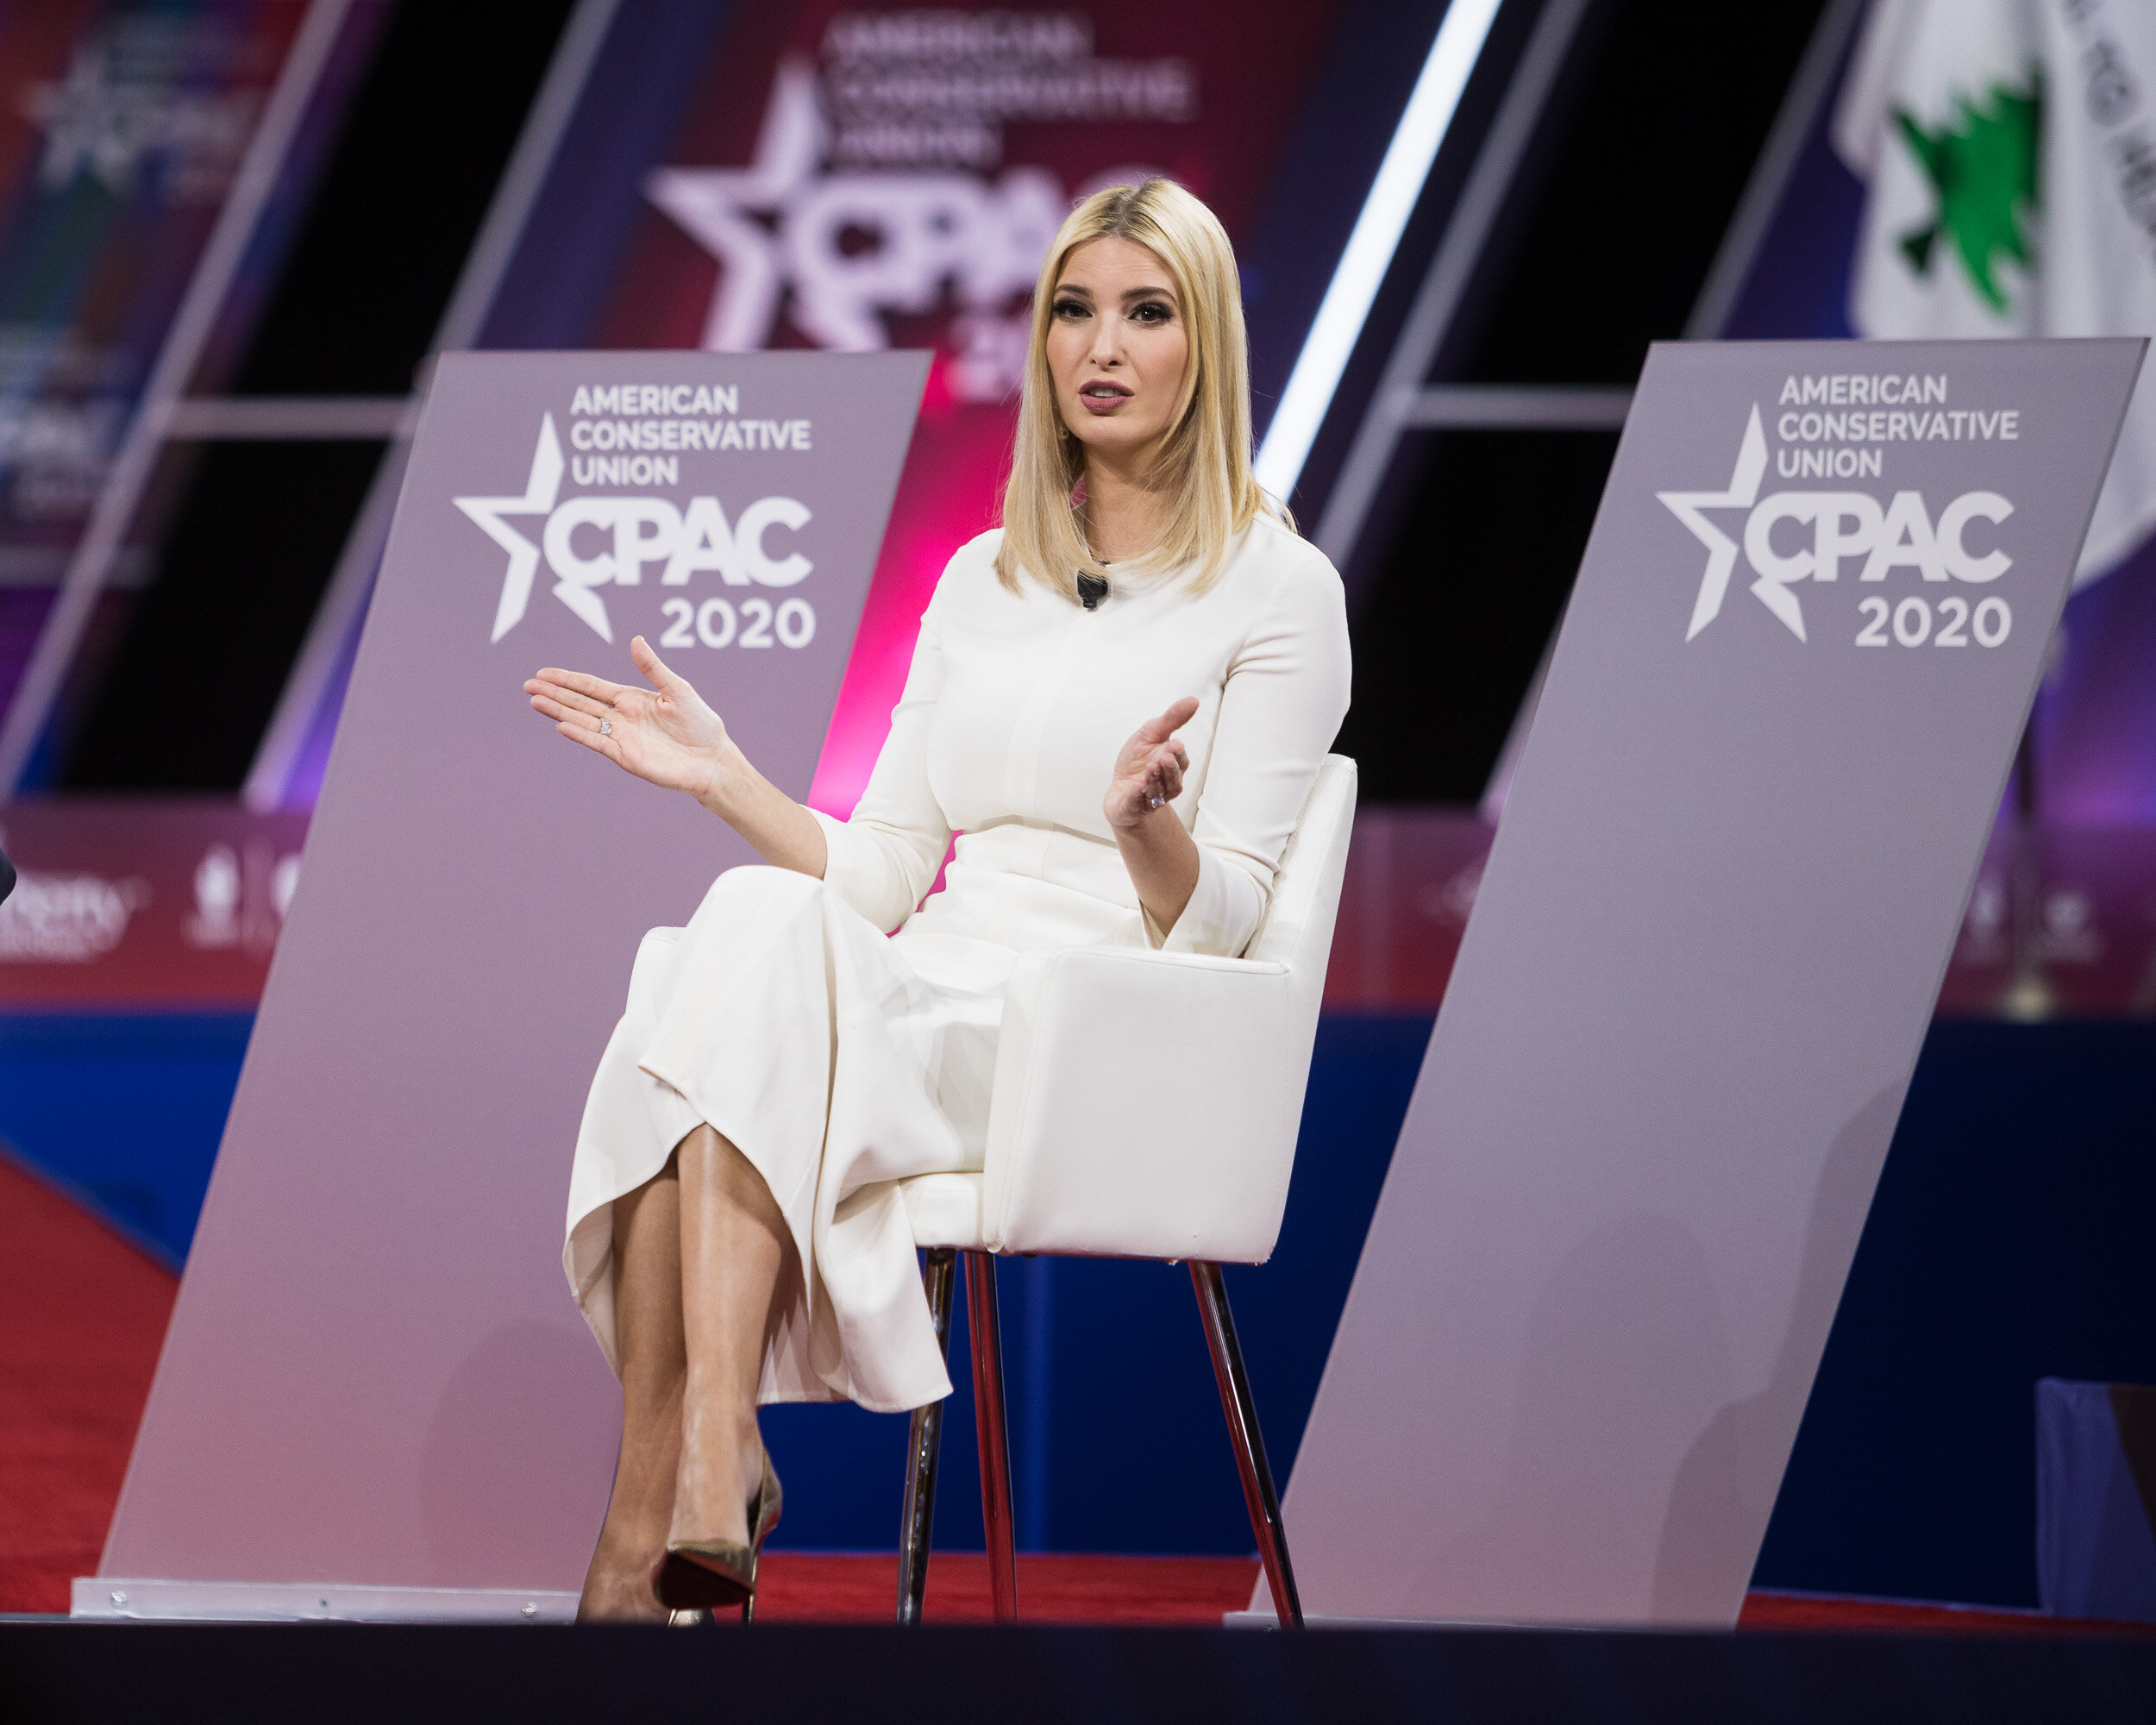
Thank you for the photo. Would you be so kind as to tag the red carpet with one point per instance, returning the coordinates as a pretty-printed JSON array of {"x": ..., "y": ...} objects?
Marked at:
[
  {"x": 84, "y": 1314},
  {"x": 805, "y": 1587},
  {"x": 1825, "y": 1611}
]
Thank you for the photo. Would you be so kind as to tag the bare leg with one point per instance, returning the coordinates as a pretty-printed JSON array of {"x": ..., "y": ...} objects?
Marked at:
[
  {"x": 734, "y": 1250},
  {"x": 653, "y": 1367}
]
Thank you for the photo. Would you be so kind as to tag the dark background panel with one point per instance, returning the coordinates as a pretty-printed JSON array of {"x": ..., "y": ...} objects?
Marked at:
[
  {"x": 196, "y": 672},
  {"x": 1614, "y": 217},
  {"x": 1641, "y": 167},
  {"x": 1370, "y": 67},
  {"x": 373, "y": 267},
  {"x": 1490, "y": 534},
  {"x": 1288, "y": 248}
]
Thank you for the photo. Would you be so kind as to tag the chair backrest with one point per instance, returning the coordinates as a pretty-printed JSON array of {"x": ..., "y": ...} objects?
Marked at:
[
  {"x": 1201, "y": 1171},
  {"x": 1297, "y": 930}
]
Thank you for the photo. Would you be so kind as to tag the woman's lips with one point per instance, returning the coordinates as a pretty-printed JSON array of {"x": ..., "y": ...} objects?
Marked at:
[{"x": 1103, "y": 398}]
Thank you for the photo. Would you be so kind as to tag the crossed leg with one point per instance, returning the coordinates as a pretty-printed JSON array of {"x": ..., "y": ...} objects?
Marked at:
[{"x": 700, "y": 1251}]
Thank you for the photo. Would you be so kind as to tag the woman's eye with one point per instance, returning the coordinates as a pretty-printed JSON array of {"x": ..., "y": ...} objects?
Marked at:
[
  {"x": 1070, "y": 308},
  {"x": 1152, "y": 311}
]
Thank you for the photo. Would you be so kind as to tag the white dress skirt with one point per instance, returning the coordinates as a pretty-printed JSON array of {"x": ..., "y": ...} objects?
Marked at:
[{"x": 843, "y": 1059}]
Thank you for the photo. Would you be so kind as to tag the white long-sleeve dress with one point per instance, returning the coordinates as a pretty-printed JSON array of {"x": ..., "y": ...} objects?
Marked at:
[{"x": 841, "y": 1061}]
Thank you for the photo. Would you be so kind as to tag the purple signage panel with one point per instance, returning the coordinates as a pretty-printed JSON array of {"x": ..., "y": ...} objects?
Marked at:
[
  {"x": 375, "y": 1377},
  {"x": 1781, "y": 708}
]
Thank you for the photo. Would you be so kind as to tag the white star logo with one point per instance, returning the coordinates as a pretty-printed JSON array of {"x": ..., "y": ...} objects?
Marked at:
[
  {"x": 1722, "y": 550},
  {"x": 98, "y": 122},
  {"x": 83, "y": 121},
  {"x": 714, "y": 205},
  {"x": 523, "y": 556}
]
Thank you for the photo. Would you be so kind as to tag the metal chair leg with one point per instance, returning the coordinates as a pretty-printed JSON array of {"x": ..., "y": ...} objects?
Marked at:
[
  {"x": 1249, "y": 1443},
  {"x": 924, "y": 1442},
  {"x": 995, "y": 1457}
]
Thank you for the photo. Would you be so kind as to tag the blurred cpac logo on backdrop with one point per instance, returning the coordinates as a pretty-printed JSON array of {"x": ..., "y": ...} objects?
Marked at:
[
  {"x": 1900, "y": 534},
  {"x": 869, "y": 193},
  {"x": 141, "y": 107},
  {"x": 640, "y": 530}
]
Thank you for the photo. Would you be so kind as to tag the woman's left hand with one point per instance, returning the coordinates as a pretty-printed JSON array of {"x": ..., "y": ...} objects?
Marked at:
[{"x": 1149, "y": 772}]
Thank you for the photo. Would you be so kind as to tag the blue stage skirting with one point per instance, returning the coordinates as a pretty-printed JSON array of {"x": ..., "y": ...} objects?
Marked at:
[
  {"x": 2008, "y": 1242},
  {"x": 124, "y": 1109}
]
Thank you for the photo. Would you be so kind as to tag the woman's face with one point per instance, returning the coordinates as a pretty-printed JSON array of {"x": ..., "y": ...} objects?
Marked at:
[{"x": 1117, "y": 346}]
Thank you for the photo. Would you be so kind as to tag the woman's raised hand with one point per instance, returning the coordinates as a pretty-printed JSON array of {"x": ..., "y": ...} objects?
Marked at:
[
  {"x": 1149, "y": 772},
  {"x": 665, "y": 734}
]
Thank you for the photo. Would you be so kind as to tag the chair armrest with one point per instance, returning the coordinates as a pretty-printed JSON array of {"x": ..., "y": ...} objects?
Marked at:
[{"x": 1146, "y": 1105}]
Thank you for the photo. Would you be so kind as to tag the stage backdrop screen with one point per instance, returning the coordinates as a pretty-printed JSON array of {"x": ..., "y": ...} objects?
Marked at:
[
  {"x": 1782, "y": 705},
  {"x": 375, "y": 1373}
]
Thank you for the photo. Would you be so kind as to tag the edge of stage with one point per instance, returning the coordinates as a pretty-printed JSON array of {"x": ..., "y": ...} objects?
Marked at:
[{"x": 80, "y": 1672}]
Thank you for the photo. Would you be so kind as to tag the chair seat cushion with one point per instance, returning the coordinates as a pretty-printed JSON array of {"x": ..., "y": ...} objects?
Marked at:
[{"x": 945, "y": 1210}]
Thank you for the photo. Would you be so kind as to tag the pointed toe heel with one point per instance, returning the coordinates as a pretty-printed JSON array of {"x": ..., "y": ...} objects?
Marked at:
[
  {"x": 704, "y": 1575},
  {"x": 714, "y": 1575}
]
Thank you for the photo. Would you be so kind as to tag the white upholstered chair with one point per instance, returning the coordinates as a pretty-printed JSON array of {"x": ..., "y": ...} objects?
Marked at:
[{"x": 1075, "y": 1166}]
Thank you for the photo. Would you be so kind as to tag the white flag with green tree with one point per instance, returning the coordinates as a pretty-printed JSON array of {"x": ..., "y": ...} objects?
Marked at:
[{"x": 2009, "y": 152}]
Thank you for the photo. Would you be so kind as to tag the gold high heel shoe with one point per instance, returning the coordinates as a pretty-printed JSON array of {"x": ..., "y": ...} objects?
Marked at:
[{"x": 705, "y": 1575}]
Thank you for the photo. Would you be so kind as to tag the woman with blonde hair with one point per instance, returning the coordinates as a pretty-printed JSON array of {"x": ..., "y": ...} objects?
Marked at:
[{"x": 1118, "y": 703}]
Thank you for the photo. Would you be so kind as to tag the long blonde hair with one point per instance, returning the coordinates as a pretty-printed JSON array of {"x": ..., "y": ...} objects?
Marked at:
[{"x": 1204, "y": 460}]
